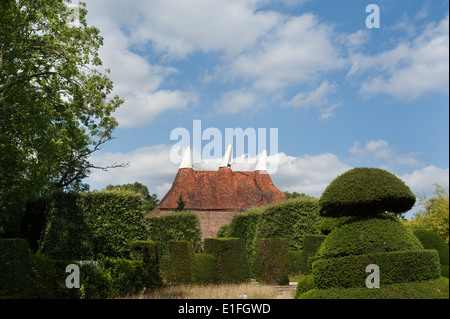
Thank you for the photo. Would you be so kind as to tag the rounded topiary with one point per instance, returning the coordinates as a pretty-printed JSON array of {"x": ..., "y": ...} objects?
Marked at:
[
  {"x": 365, "y": 191},
  {"x": 368, "y": 235},
  {"x": 432, "y": 240}
]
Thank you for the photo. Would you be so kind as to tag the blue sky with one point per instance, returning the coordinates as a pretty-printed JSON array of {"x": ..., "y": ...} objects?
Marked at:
[{"x": 340, "y": 94}]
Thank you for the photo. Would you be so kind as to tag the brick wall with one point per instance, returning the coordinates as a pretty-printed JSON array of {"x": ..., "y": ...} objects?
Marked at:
[{"x": 211, "y": 221}]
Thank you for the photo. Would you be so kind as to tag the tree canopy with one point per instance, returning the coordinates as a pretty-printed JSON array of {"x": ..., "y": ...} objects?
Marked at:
[{"x": 55, "y": 103}]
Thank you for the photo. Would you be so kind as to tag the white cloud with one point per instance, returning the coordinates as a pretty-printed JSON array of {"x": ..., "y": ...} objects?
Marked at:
[
  {"x": 135, "y": 80},
  {"x": 153, "y": 167},
  {"x": 178, "y": 28},
  {"x": 297, "y": 51},
  {"x": 409, "y": 70},
  {"x": 422, "y": 180},
  {"x": 309, "y": 174},
  {"x": 236, "y": 101},
  {"x": 380, "y": 153}
]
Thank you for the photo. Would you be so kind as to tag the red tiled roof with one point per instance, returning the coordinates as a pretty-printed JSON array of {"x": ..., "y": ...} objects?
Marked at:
[{"x": 223, "y": 190}]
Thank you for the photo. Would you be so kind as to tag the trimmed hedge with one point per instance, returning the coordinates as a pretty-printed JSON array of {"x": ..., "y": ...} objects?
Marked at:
[
  {"x": 430, "y": 289},
  {"x": 304, "y": 284},
  {"x": 366, "y": 191},
  {"x": 231, "y": 260},
  {"x": 368, "y": 235},
  {"x": 290, "y": 219},
  {"x": 205, "y": 270},
  {"x": 172, "y": 227},
  {"x": 243, "y": 225},
  {"x": 395, "y": 267},
  {"x": 182, "y": 262},
  {"x": 270, "y": 264},
  {"x": 67, "y": 234},
  {"x": 16, "y": 280},
  {"x": 150, "y": 253},
  {"x": 116, "y": 219},
  {"x": 432, "y": 240},
  {"x": 86, "y": 226}
]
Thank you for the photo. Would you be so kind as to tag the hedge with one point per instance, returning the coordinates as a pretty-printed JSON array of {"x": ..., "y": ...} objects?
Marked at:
[
  {"x": 174, "y": 226},
  {"x": 86, "y": 226},
  {"x": 16, "y": 280},
  {"x": 395, "y": 267},
  {"x": 116, "y": 219},
  {"x": 365, "y": 191},
  {"x": 150, "y": 253},
  {"x": 432, "y": 240},
  {"x": 270, "y": 264},
  {"x": 368, "y": 235},
  {"x": 205, "y": 270},
  {"x": 231, "y": 260},
  {"x": 430, "y": 289},
  {"x": 182, "y": 262},
  {"x": 67, "y": 234},
  {"x": 290, "y": 219},
  {"x": 304, "y": 284},
  {"x": 243, "y": 225}
]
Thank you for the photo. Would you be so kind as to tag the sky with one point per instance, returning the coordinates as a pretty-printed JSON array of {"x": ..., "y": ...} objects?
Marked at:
[{"x": 339, "y": 90}]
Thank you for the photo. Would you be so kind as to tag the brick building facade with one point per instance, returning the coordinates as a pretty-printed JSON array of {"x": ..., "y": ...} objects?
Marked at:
[{"x": 216, "y": 195}]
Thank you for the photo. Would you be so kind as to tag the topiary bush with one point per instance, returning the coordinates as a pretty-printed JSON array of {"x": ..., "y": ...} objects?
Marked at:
[
  {"x": 290, "y": 219},
  {"x": 174, "y": 226},
  {"x": 395, "y": 267},
  {"x": 361, "y": 236},
  {"x": 67, "y": 234},
  {"x": 231, "y": 260},
  {"x": 150, "y": 253},
  {"x": 365, "y": 191},
  {"x": 270, "y": 264},
  {"x": 304, "y": 284},
  {"x": 432, "y": 240},
  {"x": 205, "y": 270},
  {"x": 16, "y": 279},
  {"x": 182, "y": 262}
]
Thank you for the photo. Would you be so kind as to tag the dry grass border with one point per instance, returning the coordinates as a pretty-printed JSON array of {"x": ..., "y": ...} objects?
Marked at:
[{"x": 222, "y": 291}]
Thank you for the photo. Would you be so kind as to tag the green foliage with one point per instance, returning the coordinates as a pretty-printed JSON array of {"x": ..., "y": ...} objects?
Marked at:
[
  {"x": 430, "y": 289},
  {"x": 67, "y": 234},
  {"x": 180, "y": 204},
  {"x": 205, "y": 269},
  {"x": 435, "y": 213},
  {"x": 149, "y": 201},
  {"x": 366, "y": 191},
  {"x": 304, "y": 284},
  {"x": 126, "y": 276},
  {"x": 395, "y": 267},
  {"x": 270, "y": 264},
  {"x": 296, "y": 263},
  {"x": 368, "y": 235},
  {"x": 116, "y": 219},
  {"x": 55, "y": 104},
  {"x": 182, "y": 262},
  {"x": 232, "y": 264},
  {"x": 83, "y": 226},
  {"x": 16, "y": 279},
  {"x": 290, "y": 219},
  {"x": 243, "y": 225},
  {"x": 431, "y": 240},
  {"x": 150, "y": 253},
  {"x": 174, "y": 226}
]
